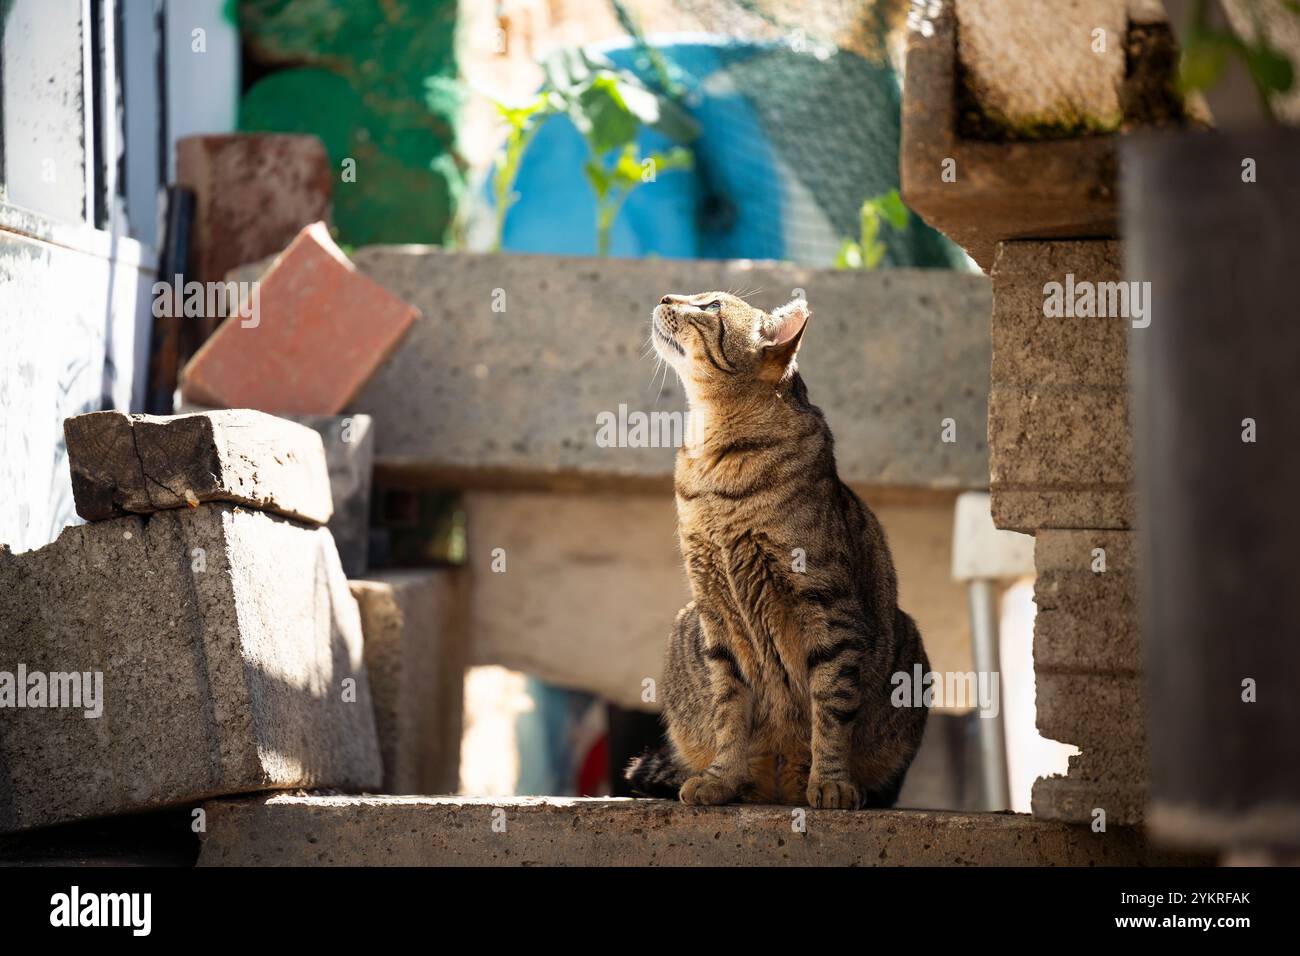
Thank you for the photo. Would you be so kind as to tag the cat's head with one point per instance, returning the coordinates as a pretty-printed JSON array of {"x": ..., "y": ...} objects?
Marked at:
[{"x": 719, "y": 343}]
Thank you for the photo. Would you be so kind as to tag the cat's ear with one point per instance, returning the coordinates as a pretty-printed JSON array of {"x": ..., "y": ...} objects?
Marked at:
[{"x": 784, "y": 333}]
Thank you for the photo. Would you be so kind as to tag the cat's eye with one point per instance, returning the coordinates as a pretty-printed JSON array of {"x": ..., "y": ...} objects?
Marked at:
[{"x": 715, "y": 307}]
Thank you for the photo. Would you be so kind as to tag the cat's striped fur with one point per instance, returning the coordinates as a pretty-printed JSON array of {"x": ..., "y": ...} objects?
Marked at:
[{"x": 777, "y": 685}]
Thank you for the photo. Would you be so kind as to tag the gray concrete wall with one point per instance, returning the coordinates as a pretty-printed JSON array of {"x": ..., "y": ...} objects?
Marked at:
[{"x": 516, "y": 356}]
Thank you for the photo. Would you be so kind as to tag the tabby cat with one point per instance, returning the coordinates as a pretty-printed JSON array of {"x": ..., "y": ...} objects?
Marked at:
[{"x": 777, "y": 685}]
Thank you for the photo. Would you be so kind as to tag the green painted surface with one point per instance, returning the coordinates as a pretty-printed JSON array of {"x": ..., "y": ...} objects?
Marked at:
[{"x": 357, "y": 74}]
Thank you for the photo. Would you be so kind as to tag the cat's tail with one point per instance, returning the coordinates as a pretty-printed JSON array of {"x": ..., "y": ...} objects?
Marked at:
[{"x": 655, "y": 774}]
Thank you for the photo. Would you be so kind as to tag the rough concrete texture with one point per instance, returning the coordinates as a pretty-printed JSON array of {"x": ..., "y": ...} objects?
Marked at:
[
  {"x": 592, "y": 583},
  {"x": 1090, "y": 710},
  {"x": 1115, "y": 784},
  {"x": 1087, "y": 621},
  {"x": 980, "y": 193},
  {"x": 1061, "y": 445},
  {"x": 317, "y": 334},
  {"x": 1033, "y": 66},
  {"x": 253, "y": 192},
  {"x": 519, "y": 355},
  {"x": 139, "y": 464},
  {"x": 417, "y": 648},
  {"x": 226, "y": 639},
  {"x": 539, "y": 831},
  {"x": 349, "y": 442}
]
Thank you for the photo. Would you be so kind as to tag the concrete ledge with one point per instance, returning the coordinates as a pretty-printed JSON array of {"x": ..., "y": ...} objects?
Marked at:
[
  {"x": 503, "y": 383},
  {"x": 993, "y": 191},
  {"x": 547, "y": 831}
]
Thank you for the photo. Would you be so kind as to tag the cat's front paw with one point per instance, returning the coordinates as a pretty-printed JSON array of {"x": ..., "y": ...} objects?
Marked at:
[
  {"x": 832, "y": 794},
  {"x": 706, "y": 790}
]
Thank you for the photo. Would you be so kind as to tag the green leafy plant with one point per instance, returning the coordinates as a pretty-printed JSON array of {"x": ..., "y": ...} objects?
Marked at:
[
  {"x": 868, "y": 249},
  {"x": 522, "y": 123},
  {"x": 1207, "y": 50},
  {"x": 608, "y": 107}
]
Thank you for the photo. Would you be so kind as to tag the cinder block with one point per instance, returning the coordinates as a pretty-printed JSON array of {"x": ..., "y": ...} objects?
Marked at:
[
  {"x": 350, "y": 455},
  {"x": 549, "y": 831},
  {"x": 138, "y": 464},
  {"x": 1031, "y": 349},
  {"x": 892, "y": 355},
  {"x": 1087, "y": 667},
  {"x": 320, "y": 331},
  {"x": 416, "y": 647},
  {"x": 1036, "y": 68},
  {"x": 1115, "y": 783},
  {"x": 1091, "y": 710},
  {"x": 231, "y": 659},
  {"x": 253, "y": 193},
  {"x": 1087, "y": 620},
  {"x": 1061, "y": 450}
]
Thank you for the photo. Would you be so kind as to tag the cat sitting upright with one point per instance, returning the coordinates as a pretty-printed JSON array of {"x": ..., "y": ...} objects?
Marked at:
[{"x": 777, "y": 685}]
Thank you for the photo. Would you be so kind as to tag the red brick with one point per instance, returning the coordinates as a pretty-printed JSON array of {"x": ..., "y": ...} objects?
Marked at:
[
  {"x": 322, "y": 330},
  {"x": 253, "y": 193}
]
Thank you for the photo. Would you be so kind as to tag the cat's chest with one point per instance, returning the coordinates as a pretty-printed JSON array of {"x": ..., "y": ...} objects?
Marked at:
[{"x": 741, "y": 567}]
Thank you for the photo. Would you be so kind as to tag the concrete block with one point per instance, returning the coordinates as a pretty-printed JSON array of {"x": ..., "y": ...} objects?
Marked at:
[
  {"x": 1094, "y": 781},
  {"x": 980, "y": 193},
  {"x": 1087, "y": 620},
  {"x": 319, "y": 332},
  {"x": 1091, "y": 710},
  {"x": 591, "y": 584},
  {"x": 230, "y": 655},
  {"x": 1035, "y": 68},
  {"x": 891, "y": 355},
  {"x": 549, "y": 831},
  {"x": 1033, "y": 349},
  {"x": 1059, "y": 431},
  {"x": 349, "y": 442},
  {"x": 138, "y": 464},
  {"x": 416, "y": 648},
  {"x": 253, "y": 193}
]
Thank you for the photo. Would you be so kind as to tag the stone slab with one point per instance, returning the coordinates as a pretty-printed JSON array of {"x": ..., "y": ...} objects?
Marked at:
[
  {"x": 253, "y": 193},
  {"x": 503, "y": 382},
  {"x": 226, "y": 639},
  {"x": 349, "y": 442},
  {"x": 313, "y": 337},
  {"x": 416, "y": 648},
  {"x": 138, "y": 464},
  {"x": 591, "y": 585},
  {"x": 540, "y": 831},
  {"x": 1041, "y": 66},
  {"x": 979, "y": 193}
]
